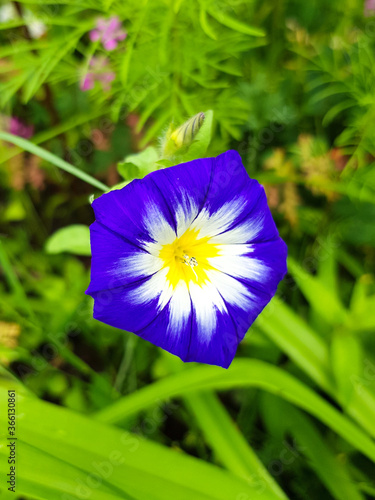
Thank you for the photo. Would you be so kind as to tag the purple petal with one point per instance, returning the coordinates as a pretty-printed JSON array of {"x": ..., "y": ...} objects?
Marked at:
[
  {"x": 108, "y": 77},
  {"x": 101, "y": 24},
  {"x": 133, "y": 210},
  {"x": 209, "y": 184},
  {"x": 17, "y": 127},
  {"x": 188, "y": 341},
  {"x": 120, "y": 35},
  {"x": 88, "y": 82},
  {"x": 109, "y": 44},
  {"x": 95, "y": 35},
  {"x": 116, "y": 260},
  {"x": 113, "y": 24},
  {"x": 98, "y": 63},
  {"x": 115, "y": 307}
]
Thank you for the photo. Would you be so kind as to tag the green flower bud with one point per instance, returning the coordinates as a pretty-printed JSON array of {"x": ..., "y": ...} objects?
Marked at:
[{"x": 184, "y": 135}]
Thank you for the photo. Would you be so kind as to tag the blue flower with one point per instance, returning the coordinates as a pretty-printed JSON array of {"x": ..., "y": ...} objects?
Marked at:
[{"x": 186, "y": 258}]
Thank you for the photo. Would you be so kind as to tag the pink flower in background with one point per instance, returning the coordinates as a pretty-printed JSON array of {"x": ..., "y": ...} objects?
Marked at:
[
  {"x": 109, "y": 31},
  {"x": 98, "y": 73},
  {"x": 17, "y": 127},
  {"x": 369, "y": 8}
]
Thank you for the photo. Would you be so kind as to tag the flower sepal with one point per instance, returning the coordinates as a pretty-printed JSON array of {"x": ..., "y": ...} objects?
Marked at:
[
  {"x": 137, "y": 166},
  {"x": 190, "y": 140}
]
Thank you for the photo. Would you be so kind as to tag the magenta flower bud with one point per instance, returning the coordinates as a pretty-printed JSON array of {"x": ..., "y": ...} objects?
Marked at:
[{"x": 17, "y": 127}]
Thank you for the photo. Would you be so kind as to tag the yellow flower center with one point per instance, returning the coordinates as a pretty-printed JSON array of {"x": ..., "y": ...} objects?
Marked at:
[{"x": 187, "y": 258}]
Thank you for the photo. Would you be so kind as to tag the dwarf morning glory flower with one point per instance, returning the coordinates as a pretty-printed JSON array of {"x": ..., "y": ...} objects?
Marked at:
[
  {"x": 109, "y": 31},
  {"x": 186, "y": 258}
]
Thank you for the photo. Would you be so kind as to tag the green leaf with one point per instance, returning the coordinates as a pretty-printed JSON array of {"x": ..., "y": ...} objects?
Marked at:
[
  {"x": 331, "y": 471},
  {"x": 165, "y": 163},
  {"x": 327, "y": 266},
  {"x": 228, "y": 443},
  {"x": 205, "y": 24},
  {"x": 13, "y": 23},
  {"x": 150, "y": 108},
  {"x": 234, "y": 24},
  {"x": 294, "y": 336},
  {"x": 48, "y": 62},
  {"x": 362, "y": 304},
  {"x": 157, "y": 126},
  {"x": 73, "y": 239},
  {"x": 43, "y": 476},
  {"x": 328, "y": 91},
  {"x": 321, "y": 298},
  {"x": 64, "y": 455},
  {"x": 356, "y": 221},
  {"x": 120, "y": 185},
  {"x": 310, "y": 353},
  {"x": 13, "y": 281},
  {"x": 128, "y": 171},
  {"x": 336, "y": 110},
  {"x": 243, "y": 373},
  {"x": 138, "y": 165},
  {"x": 346, "y": 363}
]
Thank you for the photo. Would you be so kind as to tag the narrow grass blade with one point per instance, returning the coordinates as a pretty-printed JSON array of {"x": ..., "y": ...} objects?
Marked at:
[
  {"x": 69, "y": 456},
  {"x": 226, "y": 440},
  {"x": 243, "y": 373},
  {"x": 55, "y": 160},
  {"x": 332, "y": 471}
]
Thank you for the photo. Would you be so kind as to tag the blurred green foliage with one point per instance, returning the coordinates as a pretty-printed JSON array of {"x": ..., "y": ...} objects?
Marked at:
[{"x": 104, "y": 415}]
